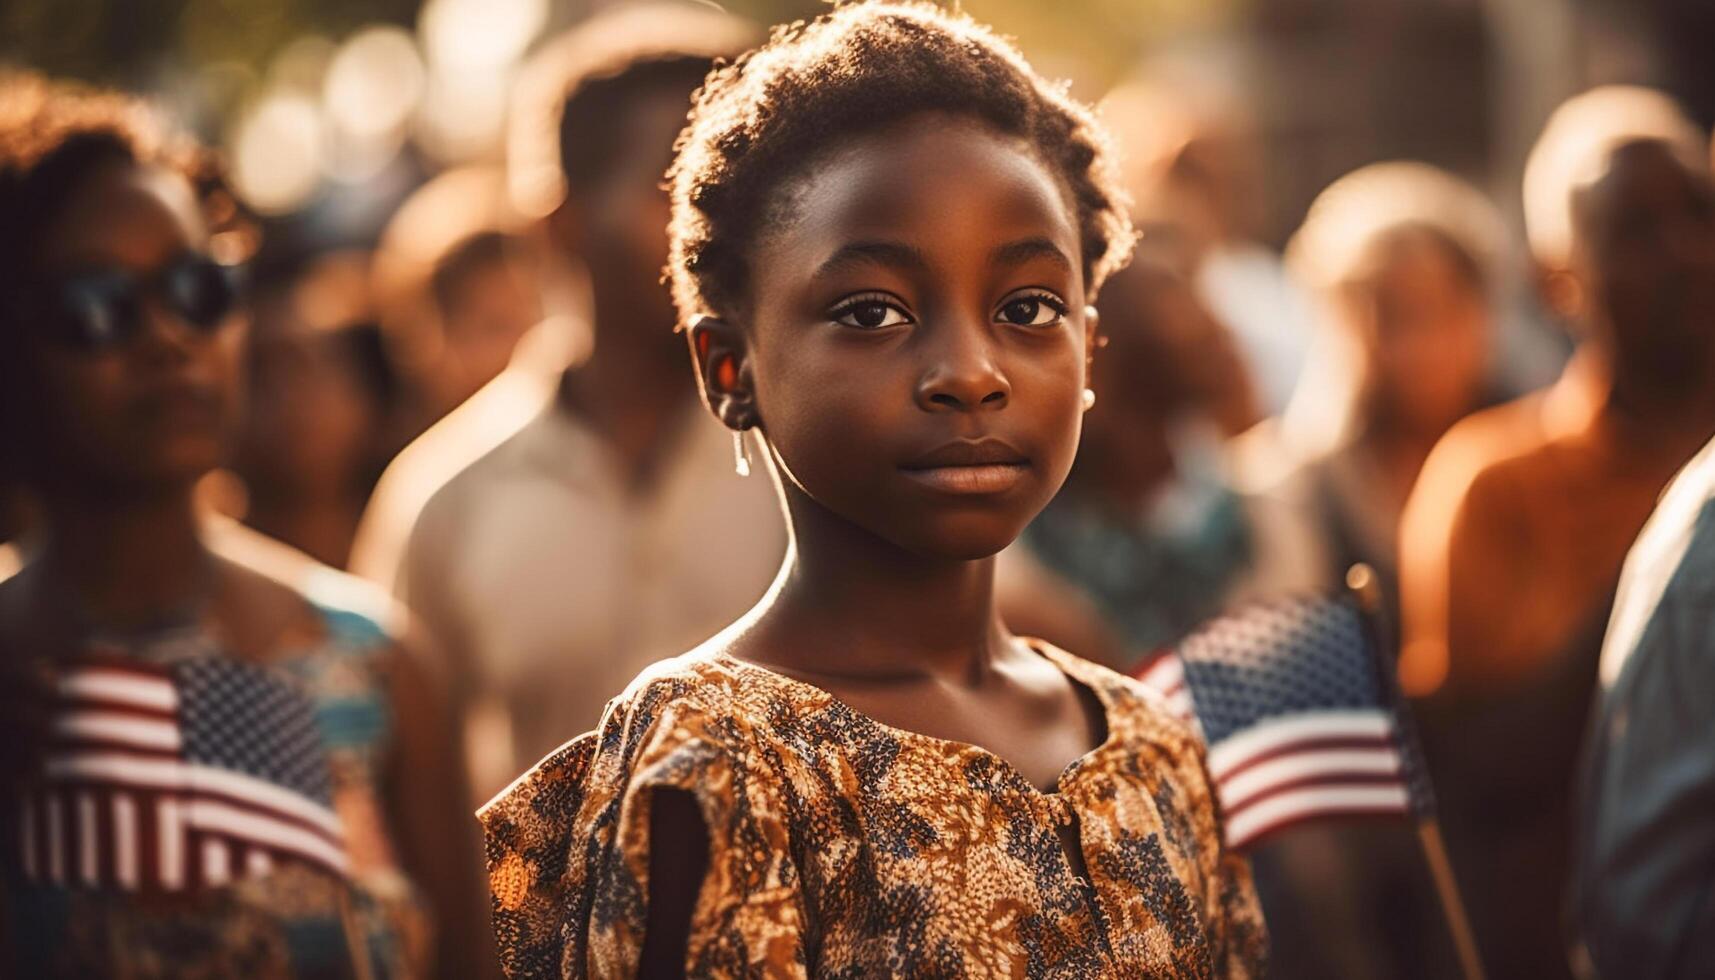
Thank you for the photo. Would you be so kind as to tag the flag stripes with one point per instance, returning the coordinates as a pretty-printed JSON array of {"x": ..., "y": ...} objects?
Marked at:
[
  {"x": 1313, "y": 802},
  {"x": 1299, "y": 721},
  {"x": 1289, "y": 732},
  {"x": 1165, "y": 675},
  {"x": 84, "y": 837},
  {"x": 124, "y": 803}
]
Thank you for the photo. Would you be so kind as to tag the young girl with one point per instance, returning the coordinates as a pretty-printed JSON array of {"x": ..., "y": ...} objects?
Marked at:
[
  {"x": 215, "y": 760},
  {"x": 887, "y": 230}
]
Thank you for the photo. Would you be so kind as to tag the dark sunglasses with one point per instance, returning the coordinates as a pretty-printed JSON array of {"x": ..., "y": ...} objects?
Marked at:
[{"x": 101, "y": 310}]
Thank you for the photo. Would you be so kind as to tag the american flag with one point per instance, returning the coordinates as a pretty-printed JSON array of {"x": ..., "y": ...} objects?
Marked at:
[
  {"x": 1164, "y": 675},
  {"x": 176, "y": 778},
  {"x": 1299, "y": 718}
]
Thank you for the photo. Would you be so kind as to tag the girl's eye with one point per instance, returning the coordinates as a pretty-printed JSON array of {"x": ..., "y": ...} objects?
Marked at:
[
  {"x": 870, "y": 313},
  {"x": 1032, "y": 310}
]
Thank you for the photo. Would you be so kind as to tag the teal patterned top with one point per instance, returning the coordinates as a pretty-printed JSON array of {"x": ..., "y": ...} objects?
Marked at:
[
  {"x": 1154, "y": 582},
  {"x": 261, "y": 918}
]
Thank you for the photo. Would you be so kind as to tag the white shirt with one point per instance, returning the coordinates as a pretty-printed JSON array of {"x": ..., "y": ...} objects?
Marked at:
[
  {"x": 550, "y": 584},
  {"x": 1247, "y": 288}
]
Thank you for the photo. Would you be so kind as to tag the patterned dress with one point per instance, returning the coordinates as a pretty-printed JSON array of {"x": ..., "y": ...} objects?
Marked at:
[
  {"x": 257, "y": 920},
  {"x": 842, "y": 847}
]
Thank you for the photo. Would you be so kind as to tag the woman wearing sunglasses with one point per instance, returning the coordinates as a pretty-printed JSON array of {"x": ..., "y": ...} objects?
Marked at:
[{"x": 218, "y": 763}]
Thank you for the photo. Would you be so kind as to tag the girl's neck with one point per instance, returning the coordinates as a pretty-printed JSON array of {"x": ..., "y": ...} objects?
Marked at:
[
  {"x": 126, "y": 560},
  {"x": 849, "y": 605}
]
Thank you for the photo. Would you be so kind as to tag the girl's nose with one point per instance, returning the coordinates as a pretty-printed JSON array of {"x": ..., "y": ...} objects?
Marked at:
[{"x": 962, "y": 373}]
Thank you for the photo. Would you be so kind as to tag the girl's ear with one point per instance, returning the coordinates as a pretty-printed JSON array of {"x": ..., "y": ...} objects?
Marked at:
[{"x": 722, "y": 359}]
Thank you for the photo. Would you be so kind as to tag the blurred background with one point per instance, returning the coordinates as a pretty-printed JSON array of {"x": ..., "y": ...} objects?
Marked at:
[
  {"x": 333, "y": 112},
  {"x": 329, "y": 103},
  {"x": 1297, "y": 332}
]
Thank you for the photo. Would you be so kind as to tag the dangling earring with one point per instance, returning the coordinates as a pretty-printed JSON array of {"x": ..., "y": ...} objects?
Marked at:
[
  {"x": 1089, "y": 398},
  {"x": 740, "y": 453}
]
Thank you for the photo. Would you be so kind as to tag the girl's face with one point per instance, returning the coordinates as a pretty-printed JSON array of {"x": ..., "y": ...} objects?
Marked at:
[
  {"x": 153, "y": 407},
  {"x": 918, "y": 337}
]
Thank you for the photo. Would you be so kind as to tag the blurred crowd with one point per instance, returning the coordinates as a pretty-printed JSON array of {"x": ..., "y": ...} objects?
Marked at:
[{"x": 485, "y": 413}]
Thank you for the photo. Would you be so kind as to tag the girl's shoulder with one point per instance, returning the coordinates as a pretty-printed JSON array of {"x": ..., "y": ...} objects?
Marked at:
[
  {"x": 706, "y": 710},
  {"x": 278, "y": 582},
  {"x": 568, "y": 842},
  {"x": 697, "y": 704}
]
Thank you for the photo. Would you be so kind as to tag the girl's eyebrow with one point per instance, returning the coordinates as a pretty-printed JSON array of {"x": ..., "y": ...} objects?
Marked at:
[
  {"x": 895, "y": 255},
  {"x": 898, "y": 255},
  {"x": 1025, "y": 249}
]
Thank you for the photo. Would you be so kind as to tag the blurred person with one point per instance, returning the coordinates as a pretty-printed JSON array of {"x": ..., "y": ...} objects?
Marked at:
[
  {"x": 456, "y": 286},
  {"x": 1403, "y": 259},
  {"x": 1193, "y": 159},
  {"x": 1644, "y": 866},
  {"x": 886, "y": 227},
  {"x": 320, "y": 401},
  {"x": 1147, "y": 538},
  {"x": 218, "y": 759},
  {"x": 571, "y": 544},
  {"x": 1512, "y": 541},
  {"x": 485, "y": 290}
]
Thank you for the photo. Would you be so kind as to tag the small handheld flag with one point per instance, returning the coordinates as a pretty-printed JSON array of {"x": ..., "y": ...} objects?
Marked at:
[
  {"x": 1297, "y": 717},
  {"x": 1303, "y": 720}
]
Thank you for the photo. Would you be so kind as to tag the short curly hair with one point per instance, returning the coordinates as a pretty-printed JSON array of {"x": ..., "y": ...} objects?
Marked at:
[
  {"x": 54, "y": 134},
  {"x": 763, "y": 119}
]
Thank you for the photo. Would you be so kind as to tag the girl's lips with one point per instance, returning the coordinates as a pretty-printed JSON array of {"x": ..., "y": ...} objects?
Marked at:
[{"x": 974, "y": 479}]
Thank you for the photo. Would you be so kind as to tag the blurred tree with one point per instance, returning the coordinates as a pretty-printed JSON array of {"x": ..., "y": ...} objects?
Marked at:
[
  {"x": 1091, "y": 42},
  {"x": 132, "y": 43},
  {"x": 135, "y": 43}
]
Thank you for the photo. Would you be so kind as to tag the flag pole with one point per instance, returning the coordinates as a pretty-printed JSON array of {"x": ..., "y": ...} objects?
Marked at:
[
  {"x": 1361, "y": 583},
  {"x": 1458, "y": 923}
]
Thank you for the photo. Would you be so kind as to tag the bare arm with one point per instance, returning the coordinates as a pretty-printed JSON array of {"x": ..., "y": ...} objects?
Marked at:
[{"x": 1464, "y": 566}]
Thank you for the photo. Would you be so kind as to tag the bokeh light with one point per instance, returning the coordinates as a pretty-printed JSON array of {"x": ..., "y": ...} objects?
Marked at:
[
  {"x": 473, "y": 48},
  {"x": 462, "y": 119},
  {"x": 277, "y": 153},
  {"x": 374, "y": 82},
  {"x": 479, "y": 35}
]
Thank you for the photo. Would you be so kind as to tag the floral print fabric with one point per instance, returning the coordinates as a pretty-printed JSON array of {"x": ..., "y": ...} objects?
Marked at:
[{"x": 842, "y": 847}]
